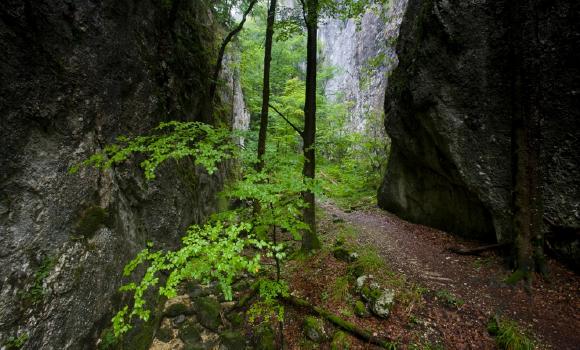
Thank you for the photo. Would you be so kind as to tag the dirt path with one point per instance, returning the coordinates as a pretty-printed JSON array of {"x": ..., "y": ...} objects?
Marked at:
[{"x": 551, "y": 310}]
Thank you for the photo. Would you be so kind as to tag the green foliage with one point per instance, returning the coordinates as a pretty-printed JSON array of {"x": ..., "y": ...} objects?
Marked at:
[
  {"x": 351, "y": 162},
  {"x": 14, "y": 343},
  {"x": 449, "y": 299},
  {"x": 233, "y": 241},
  {"x": 212, "y": 252},
  {"x": 170, "y": 140},
  {"x": 340, "y": 288},
  {"x": 35, "y": 293},
  {"x": 508, "y": 336},
  {"x": 370, "y": 260},
  {"x": 269, "y": 307},
  {"x": 107, "y": 341}
]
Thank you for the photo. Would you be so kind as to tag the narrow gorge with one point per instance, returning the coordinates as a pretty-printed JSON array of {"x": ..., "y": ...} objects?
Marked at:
[{"x": 137, "y": 211}]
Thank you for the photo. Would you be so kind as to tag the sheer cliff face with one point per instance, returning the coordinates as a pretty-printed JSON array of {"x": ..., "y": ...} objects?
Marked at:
[
  {"x": 362, "y": 57},
  {"x": 74, "y": 75},
  {"x": 449, "y": 109}
]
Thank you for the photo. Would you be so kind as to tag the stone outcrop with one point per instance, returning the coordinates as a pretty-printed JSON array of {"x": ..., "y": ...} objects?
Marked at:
[
  {"x": 363, "y": 55},
  {"x": 449, "y": 109},
  {"x": 74, "y": 75}
]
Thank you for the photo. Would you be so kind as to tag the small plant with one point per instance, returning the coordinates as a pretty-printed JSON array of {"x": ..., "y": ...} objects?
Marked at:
[
  {"x": 508, "y": 336},
  {"x": 340, "y": 288},
  {"x": 107, "y": 341},
  {"x": 481, "y": 262},
  {"x": 370, "y": 261},
  {"x": 36, "y": 292},
  {"x": 449, "y": 299},
  {"x": 14, "y": 343}
]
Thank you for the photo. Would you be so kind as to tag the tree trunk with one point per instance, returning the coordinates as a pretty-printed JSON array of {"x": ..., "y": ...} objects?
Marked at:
[
  {"x": 526, "y": 143},
  {"x": 266, "y": 86},
  {"x": 219, "y": 62},
  {"x": 310, "y": 240}
]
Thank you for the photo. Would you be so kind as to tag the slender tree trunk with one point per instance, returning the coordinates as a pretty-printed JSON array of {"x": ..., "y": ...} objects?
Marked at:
[
  {"x": 526, "y": 146},
  {"x": 310, "y": 239},
  {"x": 219, "y": 62},
  {"x": 266, "y": 85}
]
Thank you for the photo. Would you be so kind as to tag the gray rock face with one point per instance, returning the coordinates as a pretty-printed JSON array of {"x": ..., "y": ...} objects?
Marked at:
[
  {"x": 74, "y": 75},
  {"x": 363, "y": 57},
  {"x": 449, "y": 109}
]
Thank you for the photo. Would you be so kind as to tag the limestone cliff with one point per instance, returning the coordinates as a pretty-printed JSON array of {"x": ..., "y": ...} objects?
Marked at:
[
  {"x": 449, "y": 109},
  {"x": 74, "y": 75},
  {"x": 362, "y": 55}
]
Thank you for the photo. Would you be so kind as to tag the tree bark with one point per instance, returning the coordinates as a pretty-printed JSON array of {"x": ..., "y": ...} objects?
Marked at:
[
  {"x": 266, "y": 85},
  {"x": 310, "y": 239},
  {"x": 219, "y": 62},
  {"x": 526, "y": 143}
]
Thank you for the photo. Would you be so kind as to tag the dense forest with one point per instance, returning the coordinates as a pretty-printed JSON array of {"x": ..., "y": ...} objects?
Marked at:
[{"x": 289, "y": 174}]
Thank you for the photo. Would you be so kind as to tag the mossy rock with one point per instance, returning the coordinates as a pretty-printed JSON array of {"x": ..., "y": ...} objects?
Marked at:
[
  {"x": 177, "y": 309},
  {"x": 314, "y": 329},
  {"x": 233, "y": 340},
  {"x": 208, "y": 313},
  {"x": 236, "y": 319},
  {"x": 164, "y": 333},
  {"x": 90, "y": 220},
  {"x": 343, "y": 254},
  {"x": 360, "y": 309},
  {"x": 190, "y": 334},
  {"x": 265, "y": 338},
  {"x": 356, "y": 270},
  {"x": 340, "y": 341}
]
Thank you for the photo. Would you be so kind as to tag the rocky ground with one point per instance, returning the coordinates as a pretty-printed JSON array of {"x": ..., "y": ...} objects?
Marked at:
[
  {"x": 398, "y": 281},
  {"x": 549, "y": 310}
]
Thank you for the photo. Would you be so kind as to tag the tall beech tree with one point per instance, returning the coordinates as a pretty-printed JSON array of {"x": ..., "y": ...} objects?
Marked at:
[
  {"x": 221, "y": 54},
  {"x": 266, "y": 84},
  {"x": 310, "y": 8}
]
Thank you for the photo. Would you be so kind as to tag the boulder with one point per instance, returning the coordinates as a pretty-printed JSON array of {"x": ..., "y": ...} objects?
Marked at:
[
  {"x": 314, "y": 329},
  {"x": 208, "y": 311},
  {"x": 450, "y": 108}
]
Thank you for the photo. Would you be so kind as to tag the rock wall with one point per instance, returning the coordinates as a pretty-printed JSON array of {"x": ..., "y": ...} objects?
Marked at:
[
  {"x": 363, "y": 55},
  {"x": 449, "y": 109},
  {"x": 74, "y": 75}
]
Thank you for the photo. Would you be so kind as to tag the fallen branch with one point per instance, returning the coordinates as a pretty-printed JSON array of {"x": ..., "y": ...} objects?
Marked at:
[
  {"x": 339, "y": 322},
  {"x": 476, "y": 251}
]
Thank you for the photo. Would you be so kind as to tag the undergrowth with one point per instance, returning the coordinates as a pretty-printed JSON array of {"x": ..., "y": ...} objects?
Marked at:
[{"x": 508, "y": 335}]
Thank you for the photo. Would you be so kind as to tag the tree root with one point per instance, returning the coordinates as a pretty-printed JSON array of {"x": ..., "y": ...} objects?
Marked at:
[
  {"x": 339, "y": 322},
  {"x": 478, "y": 250}
]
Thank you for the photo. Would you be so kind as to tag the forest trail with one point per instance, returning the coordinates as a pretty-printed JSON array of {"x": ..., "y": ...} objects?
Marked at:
[{"x": 551, "y": 310}]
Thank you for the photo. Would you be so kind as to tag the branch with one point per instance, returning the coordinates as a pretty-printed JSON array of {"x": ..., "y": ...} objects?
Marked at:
[
  {"x": 225, "y": 42},
  {"x": 300, "y": 132},
  {"x": 343, "y": 324},
  {"x": 476, "y": 251},
  {"x": 304, "y": 12}
]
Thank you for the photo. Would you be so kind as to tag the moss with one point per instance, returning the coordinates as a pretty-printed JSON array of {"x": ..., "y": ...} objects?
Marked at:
[
  {"x": 314, "y": 329},
  {"x": 233, "y": 340},
  {"x": 266, "y": 339},
  {"x": 35, "y": 294},
  {"x": 91, "y": 219},
  {"x": 517, "y": 276},
  {"x": 340, "y": 341},
  {"x": 177, "y": 309},
  {"x": 14, "y": 343},
  {"x": 360, "y": 309}
]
